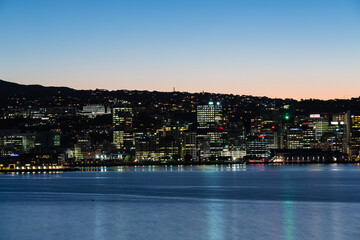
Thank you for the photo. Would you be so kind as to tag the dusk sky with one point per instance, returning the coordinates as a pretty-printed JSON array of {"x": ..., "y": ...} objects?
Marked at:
[{"x": 297, "y": 49}]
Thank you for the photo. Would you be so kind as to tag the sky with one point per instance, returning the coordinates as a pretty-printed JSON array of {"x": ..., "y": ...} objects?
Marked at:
[{"x": 276, "y": 48}]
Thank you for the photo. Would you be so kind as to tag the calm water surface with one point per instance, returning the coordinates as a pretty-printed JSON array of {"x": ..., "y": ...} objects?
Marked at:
[{"x": 189, "y": 202}]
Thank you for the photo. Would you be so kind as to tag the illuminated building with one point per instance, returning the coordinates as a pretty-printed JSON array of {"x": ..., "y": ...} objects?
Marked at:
[
  {"x": 17, "y": 141},
  {"x": 93, "y": 110},
  {"x": 308, "y": 135},
  {"x": 256, "y": 125},
  {"x": 235, "y": 141},
  {"x": 355, "y": 131},
  {"x": 209, "y": 122},
  {"x": 203, "y": 147},
  {"x": 173, "y": 130},
  {"x": 145, "y": 145},
  {"x": 259, "y": 146},
  {"x": 209, "y": 115},
  {"x": 169, "y": 140},
  {"x": 321, "y": 124},
  {"x": 123, "y": 133},
  {"x": 189, "y": 144},
  {"x": 82, "y": 148},
  {"x": 355, "y": 137},
  {"x": 294, "y": 138},
  {"x": 337, "y": 136},
  {"x": 168, "y": 149}
]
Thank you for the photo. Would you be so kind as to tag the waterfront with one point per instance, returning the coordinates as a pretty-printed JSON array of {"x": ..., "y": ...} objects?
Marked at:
[{"x": 184, "y": 202}]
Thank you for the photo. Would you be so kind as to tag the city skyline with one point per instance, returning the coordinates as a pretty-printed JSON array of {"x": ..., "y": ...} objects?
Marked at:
[
  {"x": 121, "y": 127},
  {"x": 276, "y": 49},
  {"x": 191, "y": 119}
]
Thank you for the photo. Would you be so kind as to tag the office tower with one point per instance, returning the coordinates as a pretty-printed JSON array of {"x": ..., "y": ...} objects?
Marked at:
[
  {"x": 203, "y": 146},
  {"x": 168, "y": 137},
  {"x": 123, "y": 132},
  {"x": 355, "y": 131},
  {"x": 209, "y": 124},
  {"x": 260, "y": 143},
  {"x": 321, "y": 123},
  {"x": 355, "y": 137},
  {"x": 336, "y": 136},
  {"x": 235, "y": 141},
  {"x": 340, "y": 126},
  {"x": 308, "y": 135},
  {"x": 270, "y": 132},
  {"x": 209, "y": 115},
  {"x": 145, "y": 145},
  {"x": 189, "y": 150},
  {"x": 259, "y": 146},
  {"x": 294, "y": 138}
]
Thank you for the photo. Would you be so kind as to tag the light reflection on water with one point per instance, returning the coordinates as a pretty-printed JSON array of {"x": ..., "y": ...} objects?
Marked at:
[
  {"x": 172, "y": 168},
  {"x": 184, "y": 202},
  {"x": 225, "y": 167}
]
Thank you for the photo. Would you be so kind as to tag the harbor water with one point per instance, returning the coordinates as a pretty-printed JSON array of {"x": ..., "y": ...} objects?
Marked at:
[{"x": 289, "y": 202}]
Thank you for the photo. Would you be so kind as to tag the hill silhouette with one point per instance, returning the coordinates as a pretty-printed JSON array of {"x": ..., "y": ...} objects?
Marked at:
[{"x": 10, "y": 89}]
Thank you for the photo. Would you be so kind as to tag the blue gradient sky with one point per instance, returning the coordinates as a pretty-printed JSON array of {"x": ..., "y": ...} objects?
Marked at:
[{"x": 298, "y": 49}]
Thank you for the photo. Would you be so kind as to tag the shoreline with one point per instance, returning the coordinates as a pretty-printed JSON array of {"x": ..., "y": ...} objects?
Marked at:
[
  {"x": 205, "y": 163},
  {"x": 75, "y": 168},
  {"x": 70, "y": 169}
]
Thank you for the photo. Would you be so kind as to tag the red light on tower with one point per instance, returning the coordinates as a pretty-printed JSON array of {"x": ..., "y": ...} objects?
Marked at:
[{"x": 272, "y": 127}]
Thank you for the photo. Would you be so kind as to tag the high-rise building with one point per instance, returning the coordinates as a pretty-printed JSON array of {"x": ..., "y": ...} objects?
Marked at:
[
  {"x": 341, "y": 126},
  {"x": 355, "y": 131},
  {"x": 308, "y": 135},
  {"x": 189, "y": 150},
  {"x": 321, "y": 123},
  {"x": 169, "y": 138},
  {"x": 294, "y": 138},
  {"x": 355, "y": 137},
  {"x": 235, "y": 141},
  {"x": 209, "y": 123},
  {"x": 209, "y": 115},
  {"x": 145, "y": 145},
  {"x": 123, "y": 132},
  {"x": 337, "y": 135},
  {"x": 259, "y": 146}
]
